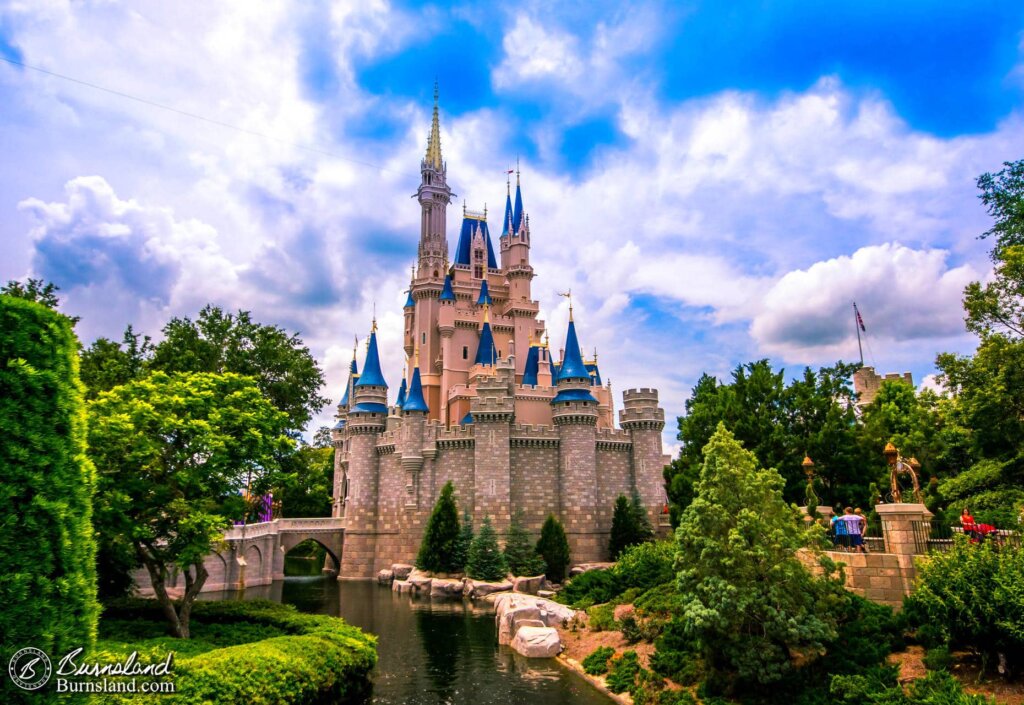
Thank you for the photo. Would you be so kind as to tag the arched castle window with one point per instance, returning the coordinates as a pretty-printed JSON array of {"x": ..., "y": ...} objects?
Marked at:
[{"x": 478, "y": 271}]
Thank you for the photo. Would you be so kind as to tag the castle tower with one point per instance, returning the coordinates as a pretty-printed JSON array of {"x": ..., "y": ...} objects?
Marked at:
[
  {"x": 434, "y": 195},
  {"x": 414, "y": 419},
  {"x": 574, "y": 412},
  {"x": 366, "y": 420},
  {"x": 493, "y": 409},
  {"x": 644, "y": 420}
]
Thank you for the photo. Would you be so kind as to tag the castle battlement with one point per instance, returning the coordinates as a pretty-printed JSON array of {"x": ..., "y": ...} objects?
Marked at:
[{"x": 484, "y": 404}]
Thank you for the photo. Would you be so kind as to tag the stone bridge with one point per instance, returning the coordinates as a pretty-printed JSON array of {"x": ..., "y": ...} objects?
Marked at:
[{"x": 254, "y": 554}]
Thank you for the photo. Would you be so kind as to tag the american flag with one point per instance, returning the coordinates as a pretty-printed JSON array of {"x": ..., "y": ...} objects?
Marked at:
[{"x": 860, "y": 321}]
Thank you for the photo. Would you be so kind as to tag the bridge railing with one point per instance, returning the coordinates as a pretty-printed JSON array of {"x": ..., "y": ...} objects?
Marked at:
[
  {"x": 250, "y": 531},
  {"x": 311, "y": 524}
]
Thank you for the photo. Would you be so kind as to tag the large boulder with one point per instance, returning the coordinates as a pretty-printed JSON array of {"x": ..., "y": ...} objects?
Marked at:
[
  {"x": 508, "y": 622},
  {"x": 401, "y": 586},
  {"x": 476, "y": 589},
  {"x": 445, "y": 587},
  {"x": 384, "y": 577},
  {"x": 402, "y": 571},
  {"x": 420, "y": 581},
  {"x": 537, "y": 642},
  {"x": 587, "y": 567},
  {"x": 529, "y": 585}
]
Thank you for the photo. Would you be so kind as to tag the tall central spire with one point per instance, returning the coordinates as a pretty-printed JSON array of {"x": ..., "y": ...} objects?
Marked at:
[{"x": 433, "y": 158}]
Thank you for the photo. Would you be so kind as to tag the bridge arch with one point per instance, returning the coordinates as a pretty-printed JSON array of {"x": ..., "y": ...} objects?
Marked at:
[{"x": 331, "y": 542}]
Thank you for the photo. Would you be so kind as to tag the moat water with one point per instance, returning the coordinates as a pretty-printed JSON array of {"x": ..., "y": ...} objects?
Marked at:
[{"x": 433, "y": 651}]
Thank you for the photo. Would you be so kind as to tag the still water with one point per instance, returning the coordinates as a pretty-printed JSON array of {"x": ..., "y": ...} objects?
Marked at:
[{"x": 433, "y": 651}]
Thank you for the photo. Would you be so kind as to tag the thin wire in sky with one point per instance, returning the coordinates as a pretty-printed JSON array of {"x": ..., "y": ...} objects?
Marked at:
[{"x": 195, "y": 116}]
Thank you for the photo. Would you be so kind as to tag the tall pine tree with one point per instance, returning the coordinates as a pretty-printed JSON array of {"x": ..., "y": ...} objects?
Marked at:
[
  {"x": 520, "y": 553},
  {"x": 553, "y": 547},
  {"x": 486, "y": 561},
  {"x": 438, "y": 551},
  {"x": 465, "y": 540}
]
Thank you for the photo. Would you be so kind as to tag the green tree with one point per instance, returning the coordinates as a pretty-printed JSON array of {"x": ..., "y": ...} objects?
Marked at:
[
  {"x": 625, "y": 531},
  {"x": 440, "y": 539},
  {"x": 486, "y": 561},
  {"x": 47, "y": 550},
  {"x": 644, "y": 530},
  {"x": 460, "y": 555},
  {"x": 305, "y": 484},
  {"x": 746, "y": 598},
  {"x": 520, "y": 551},
  {"x": 106, "y": 364},
  {"x": 171, "y": 451},
  {"x": 553, "y": 547},
  {"x": 39, "y": 291},
  {"x": 216, "y": 341}
]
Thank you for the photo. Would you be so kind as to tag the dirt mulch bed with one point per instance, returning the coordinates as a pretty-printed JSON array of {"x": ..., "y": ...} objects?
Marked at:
[
  {"x": 965, "y": 668},
  {"x": 580, "y": 644}
]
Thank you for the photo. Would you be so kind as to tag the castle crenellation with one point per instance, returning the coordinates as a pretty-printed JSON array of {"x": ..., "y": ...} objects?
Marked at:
[{"x": 484, "y": 405}]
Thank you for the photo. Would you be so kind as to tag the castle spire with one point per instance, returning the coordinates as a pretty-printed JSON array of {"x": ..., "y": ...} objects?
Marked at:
[
  {"x": 485, "y": 295},
  {"x": 517, "y": 211},
  {"x": 372, "y": 376},
  {"x": 485, "y": 352},
  {"x": 506, "y": 227},
  {"x": 414, "y": 401},
  {"x": 353, "y": 374},
  {"x": 572, "y": 366},
  {"x": 433, "y": 158}
]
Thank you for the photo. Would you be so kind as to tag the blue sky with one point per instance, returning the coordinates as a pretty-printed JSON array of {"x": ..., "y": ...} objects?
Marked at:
[{"x": 716, "y": 181}]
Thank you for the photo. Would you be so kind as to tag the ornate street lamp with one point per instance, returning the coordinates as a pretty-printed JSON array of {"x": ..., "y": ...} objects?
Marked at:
[{"x": 898, "y": 466}]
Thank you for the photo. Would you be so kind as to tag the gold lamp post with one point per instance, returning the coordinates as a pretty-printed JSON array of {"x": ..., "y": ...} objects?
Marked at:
[{"x": 898, "y": 466}]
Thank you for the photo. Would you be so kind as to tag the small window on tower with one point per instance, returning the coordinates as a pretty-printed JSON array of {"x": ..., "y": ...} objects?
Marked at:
[
  {"x": 435, "y": 274},
  {"x": 423, "y": 339},
  {"x": 465, "y": 352},
  {"x": 478, "y": 255}
]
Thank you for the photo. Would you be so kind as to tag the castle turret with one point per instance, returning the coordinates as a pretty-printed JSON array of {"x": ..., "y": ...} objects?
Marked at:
[
  {"x": 644, "y": 420},
  {"x": 366, "y": 420},
  {"x": 414, "y": 419},
  {"x": 492, "y": 411},
  {"x": 434, "y": 195},
  {"x": 515, "y": 248},
  {"x": 574, "y": 412}
]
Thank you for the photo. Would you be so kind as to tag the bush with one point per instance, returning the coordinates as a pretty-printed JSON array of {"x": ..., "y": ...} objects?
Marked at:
[
  {"x": 590, "y": 588},
  {"x": 553, "y": 547},
  {"x": 973, "y": 593},
  {"x": 486, "y": 562},
  {"x": 47, "y": 548},
  {"x": 630, "y": 629},
  {"x": 867, "y": 633},
  {"x": 623, "y": 672},
  {"x": 646, "y": 565},
  {"x": 602, "y": 618},
  {"x": 676, "y": 697},
  {"x": 439, "y": 549},
  {"x": 662, "y": 600},
  {"x": 676, "y": 656},
  {"x": 314, "y": 658},
  {"x": 520, "y": 552},
  {"x": 648, "y": 688},
  {"x": 880, "y": 687},
  {"x": 596, "y": 664},
  {"x": 938, "y": 659}
]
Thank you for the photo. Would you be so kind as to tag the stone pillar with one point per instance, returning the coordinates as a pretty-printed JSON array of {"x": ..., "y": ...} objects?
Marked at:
[
  {"x": 898, "y": 520},
  {"x": 493, "y": 409},
  {"x": 645, "y": 420}
]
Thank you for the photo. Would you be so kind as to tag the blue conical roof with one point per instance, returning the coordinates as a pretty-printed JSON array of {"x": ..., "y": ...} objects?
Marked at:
[
  {"x": 517, "y": 213},
  {"x": 400, "y": 402},
  {"x": 532, "y": 366},
  {"x": 572, "y": 366},
  {"x": 415, "y": 400},
  {"x": 485, "y": 295},
  {"x": 595, "y": 373},
  {"x": 507, "y": 223},
  {"x": 485, "y": 352},
  {"x": 409, "y": 303},
  {"x": 464, "y": 252},
  {"x": 446, "y": 293},
  {"x": 372, "y": 376},
  {"x": 353, "y": 375},
  {"x": 467, "y": 419}
]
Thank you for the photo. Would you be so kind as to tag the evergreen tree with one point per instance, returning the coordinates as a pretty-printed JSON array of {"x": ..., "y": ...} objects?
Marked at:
[
  {"x": 47, "y": 550},
  {"x": 624, "y": 529},
  {"x": 644, "y": 530},
  {"x": 460, "y": 555},
  {"x": 520, "y": 552},
  {"x": 553, "y": 547},
  {"x": 437, "y": 552},
  {"x": 486, "y": 561}
]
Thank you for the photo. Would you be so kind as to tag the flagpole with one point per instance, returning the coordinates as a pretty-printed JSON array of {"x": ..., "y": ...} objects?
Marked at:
[{"x": 856, "y": 325}]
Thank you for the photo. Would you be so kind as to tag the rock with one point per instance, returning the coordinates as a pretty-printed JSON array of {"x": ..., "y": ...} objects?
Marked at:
[
  {"x": 476, "y": 589},
  {"x": 445, "y": 587},
  {"x": 402, "y": 571},
  {"x": 401, "y": 586},
  {"x": 545, "y": 593},
  {"x": 537, "y": 642},
  {"x": 420, "y": 581},
  {"x": 622, "y": 611},
  {"x": 508, "y": 622},
  {"x": 528, "y": 585},
  {"x": 385, "y": 577},
  {"x": 587, "y": 567}
]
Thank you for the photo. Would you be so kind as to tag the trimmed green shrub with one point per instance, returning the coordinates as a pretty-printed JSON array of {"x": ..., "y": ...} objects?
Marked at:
[
  {"x": 438, "y": 551},
  {"x": 313, "y": 658},
  {"x": 623, "y": 672},
  {"x": 647, "y": 689},
  {"x": 602, "y": 618},
  {"x": 881, "y": 687},
  {"x": 47, "y": 548},
  {"x": 590, "y": 588},
  {"x": 677, "y": 656},
  {"x": 520, "y": 552},
  {"x": 486, "y": 561},
  {"x": 973, "y": 593},
  {"x": 646, "y": 565},
  {"x": 938, "y": 659},
  {"x": 553, "y": 547},
  {"x": 660, "y": 600},
  {"x": 630, "y": 629},
  {"x": 596, "y": 664},
  {"x": 676, "y": 697}
]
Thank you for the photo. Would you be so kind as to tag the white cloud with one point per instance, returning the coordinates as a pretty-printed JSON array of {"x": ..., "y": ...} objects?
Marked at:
[{"x": 533, "y": 51}]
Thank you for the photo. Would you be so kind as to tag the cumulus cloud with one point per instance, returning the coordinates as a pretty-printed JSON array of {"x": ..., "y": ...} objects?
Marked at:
[{"x": 903, "y": 295}]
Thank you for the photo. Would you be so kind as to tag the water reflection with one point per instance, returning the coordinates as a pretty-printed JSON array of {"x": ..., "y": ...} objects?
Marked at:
[{"x": 434, "y": 651}]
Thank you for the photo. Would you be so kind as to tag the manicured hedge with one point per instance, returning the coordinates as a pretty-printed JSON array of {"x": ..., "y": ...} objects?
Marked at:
[
  {"x": 319, "y": 658},
  {"x": 47, "y": 550}
]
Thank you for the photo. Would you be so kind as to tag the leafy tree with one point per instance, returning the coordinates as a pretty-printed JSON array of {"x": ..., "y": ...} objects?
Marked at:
[
  {"x": 170, "y": 451},
  {"x": 37, "y": 290},
  {"x": 486, "y": 561},
  {"x": 520, "y": 552},
  {"x": 47, "y": 550},
  {"x": 305, "y": 484},
  {"x": 106, "y": 364},
  {"x": 746, "y": 598},
  {"x": 438, "y": 550},
  {"x": 216, "y": 341},
  {"x": 626, "y": 528},
  {"x": 460, "y": 555},
  {"x": 553, "y": 547}
]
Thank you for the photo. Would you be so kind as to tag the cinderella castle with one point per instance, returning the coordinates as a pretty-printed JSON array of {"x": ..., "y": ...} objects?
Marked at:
[{"x": 483, "y": 404}]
